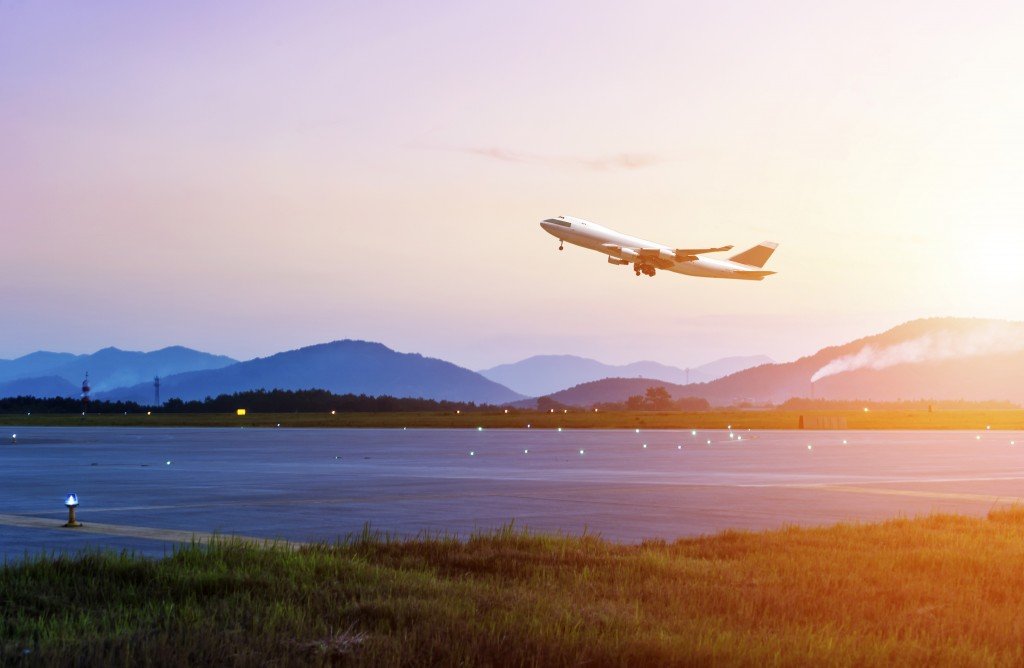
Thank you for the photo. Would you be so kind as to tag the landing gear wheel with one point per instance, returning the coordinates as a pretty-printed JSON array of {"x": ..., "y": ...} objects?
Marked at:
[{"x": 561, "y": 247}]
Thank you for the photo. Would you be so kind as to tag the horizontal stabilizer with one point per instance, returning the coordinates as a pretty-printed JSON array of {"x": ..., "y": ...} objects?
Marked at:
[
  {"x": 756, "y": 256},
  {"x": 752, "y": 275}
]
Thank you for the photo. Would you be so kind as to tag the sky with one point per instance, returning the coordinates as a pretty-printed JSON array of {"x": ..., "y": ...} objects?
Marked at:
[{"x": 246, "y": 178}]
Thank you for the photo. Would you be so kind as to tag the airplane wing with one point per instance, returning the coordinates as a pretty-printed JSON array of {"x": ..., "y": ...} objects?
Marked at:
[
  {"x": 653, "y": 256},
  {"x": 690, "y": 254}
]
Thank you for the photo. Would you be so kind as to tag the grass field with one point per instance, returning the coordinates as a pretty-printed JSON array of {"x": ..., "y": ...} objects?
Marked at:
[
  {"x": 941, "y": 590},
  {"x": 738, "y": 419}
]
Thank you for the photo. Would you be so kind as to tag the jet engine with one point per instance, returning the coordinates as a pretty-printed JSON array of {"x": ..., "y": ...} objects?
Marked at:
[{"x": 615, "y": 260}]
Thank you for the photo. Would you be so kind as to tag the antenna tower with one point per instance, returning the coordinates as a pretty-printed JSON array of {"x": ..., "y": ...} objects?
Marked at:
[{"x": 85, "y": 393}]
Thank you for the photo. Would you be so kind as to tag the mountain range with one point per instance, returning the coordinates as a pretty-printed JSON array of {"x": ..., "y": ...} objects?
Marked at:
[
  {"x": 61, "y": 374},
  {"x": 938, "y": 358},
  {"x": 544, "y": 374},
  {"x": 357, "y": 367}
]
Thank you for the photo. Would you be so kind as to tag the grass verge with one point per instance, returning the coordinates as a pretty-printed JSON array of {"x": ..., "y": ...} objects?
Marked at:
[
  {"x": 518, "y": 419},
  {"x": 935, "y": 590}
]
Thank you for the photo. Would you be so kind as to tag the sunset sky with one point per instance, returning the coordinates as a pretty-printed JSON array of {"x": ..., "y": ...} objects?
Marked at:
[{"x": 245, "y": 178}]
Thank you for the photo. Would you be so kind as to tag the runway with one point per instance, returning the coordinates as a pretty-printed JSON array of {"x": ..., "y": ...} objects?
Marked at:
[{"x": 148, "y": 489}]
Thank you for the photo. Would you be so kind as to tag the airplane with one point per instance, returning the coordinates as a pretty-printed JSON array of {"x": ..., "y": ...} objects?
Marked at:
[{"x": 647, "y": 257}]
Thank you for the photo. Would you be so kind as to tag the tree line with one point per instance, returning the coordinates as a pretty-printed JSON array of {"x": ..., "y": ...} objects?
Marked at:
[{"x": 265, "y": 401}]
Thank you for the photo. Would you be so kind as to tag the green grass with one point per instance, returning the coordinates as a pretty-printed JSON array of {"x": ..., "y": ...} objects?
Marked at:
[
  {"x": 941, "y": 590},
  {"x": 518, "y": 419}
]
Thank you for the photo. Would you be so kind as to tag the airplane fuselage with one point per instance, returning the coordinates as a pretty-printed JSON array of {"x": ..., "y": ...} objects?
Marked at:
[{"x": 621, "y": 249}]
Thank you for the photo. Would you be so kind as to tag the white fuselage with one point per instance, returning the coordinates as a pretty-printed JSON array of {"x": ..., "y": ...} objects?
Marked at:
[{"x": 596, "y": 237}]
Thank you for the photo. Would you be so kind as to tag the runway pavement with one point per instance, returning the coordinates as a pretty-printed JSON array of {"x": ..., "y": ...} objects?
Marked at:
[{"x": 148, "y": 489}]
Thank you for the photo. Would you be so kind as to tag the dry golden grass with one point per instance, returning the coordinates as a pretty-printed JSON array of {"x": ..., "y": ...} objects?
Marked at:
[{"x": 941, "y": 590}]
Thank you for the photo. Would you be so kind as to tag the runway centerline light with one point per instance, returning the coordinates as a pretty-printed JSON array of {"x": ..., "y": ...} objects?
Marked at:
[
  {"x": 526, "y": 452},
  {"x": 581, "y": 452},
  {"x": 810, "y": 447},
  {"x": 72, "y": 502},
  {"x": 471, "y": 453},
  {"x": 645, "y": 445}
]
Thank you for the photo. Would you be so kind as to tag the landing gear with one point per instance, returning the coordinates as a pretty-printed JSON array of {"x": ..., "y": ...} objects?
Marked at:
[
  {"x": 645, "y": 269},
  {"x": 560, "y": 245}
]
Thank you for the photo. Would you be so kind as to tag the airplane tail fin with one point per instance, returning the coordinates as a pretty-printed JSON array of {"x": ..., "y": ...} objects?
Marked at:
[{"x": 756, "y": 256}]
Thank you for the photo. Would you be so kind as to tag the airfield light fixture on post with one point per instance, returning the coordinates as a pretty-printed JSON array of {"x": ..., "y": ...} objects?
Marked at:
[{"x": 72, "y": 502}]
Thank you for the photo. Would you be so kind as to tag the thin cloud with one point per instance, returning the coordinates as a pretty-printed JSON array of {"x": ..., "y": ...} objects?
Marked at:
[{"x": 600, "y": 163}]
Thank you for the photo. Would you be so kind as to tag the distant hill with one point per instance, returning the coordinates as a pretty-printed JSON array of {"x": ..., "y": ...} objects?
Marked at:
[
  {"x": 108, "y": 368},
  {"x": 543, "y": 374},
  {"x": 938, "y": 358},
  {"x": 358, "y": 367},
  {"x": 45, "y": 386}
]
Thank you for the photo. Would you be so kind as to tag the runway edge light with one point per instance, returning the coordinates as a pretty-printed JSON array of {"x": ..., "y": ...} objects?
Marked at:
[{"x": 72, "y": 502}]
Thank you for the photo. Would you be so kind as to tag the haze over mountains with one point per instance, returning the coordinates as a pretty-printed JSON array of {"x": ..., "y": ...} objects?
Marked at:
[
  {"x": 544, "y": 374},
  {"x": 938, "y": 358},
  {"x": 942, "y": 358},
  {"x": 46, "y": 374},
  {"x": 342, "y": 367}
]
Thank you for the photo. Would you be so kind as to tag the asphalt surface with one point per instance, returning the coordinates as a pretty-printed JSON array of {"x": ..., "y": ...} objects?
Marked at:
[{"x": 149, "y": 489}]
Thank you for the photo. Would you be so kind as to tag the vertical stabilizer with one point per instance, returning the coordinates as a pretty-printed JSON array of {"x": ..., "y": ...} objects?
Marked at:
[{"x": 756, "y": 256}]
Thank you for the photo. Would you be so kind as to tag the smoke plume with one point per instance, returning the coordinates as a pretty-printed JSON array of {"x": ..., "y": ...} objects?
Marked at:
[{"x": 931, "y": 347}]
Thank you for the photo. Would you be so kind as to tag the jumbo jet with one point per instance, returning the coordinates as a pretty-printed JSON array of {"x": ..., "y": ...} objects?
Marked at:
[{"x": 647, "y": 256}]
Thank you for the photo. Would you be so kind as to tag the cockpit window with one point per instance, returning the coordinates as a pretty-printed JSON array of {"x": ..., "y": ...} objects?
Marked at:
[{"x": 558, "y": 222}]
